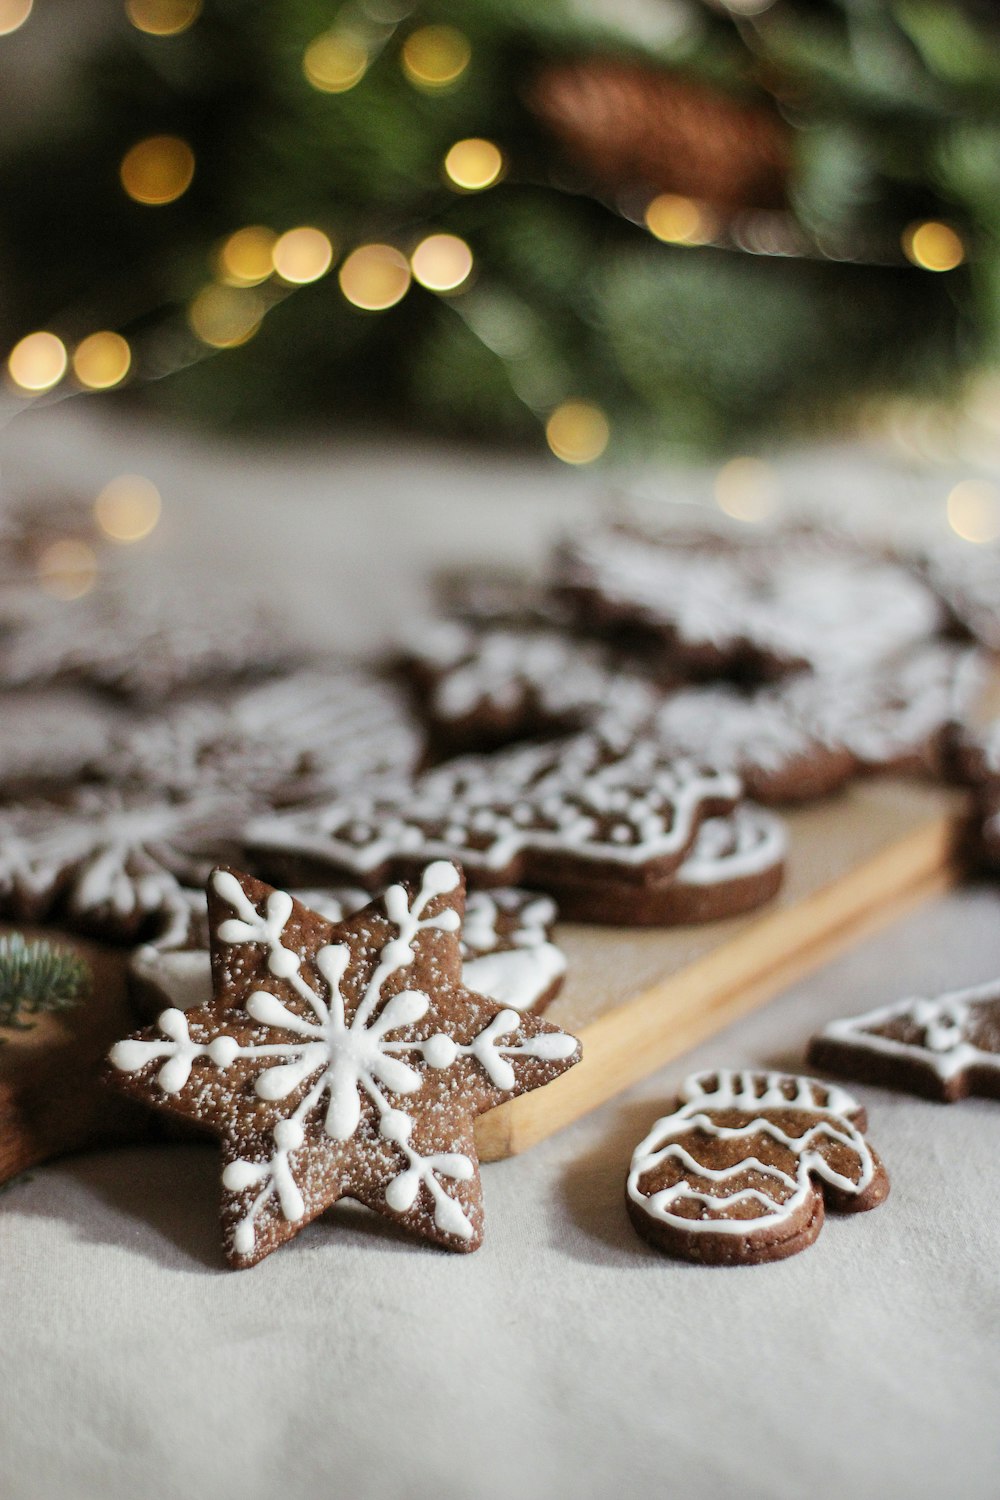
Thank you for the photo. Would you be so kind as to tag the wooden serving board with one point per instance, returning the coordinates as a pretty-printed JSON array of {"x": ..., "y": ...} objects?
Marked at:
[
  {"x": 635, "y": 997},
  {"x": 638, "y": 997}
]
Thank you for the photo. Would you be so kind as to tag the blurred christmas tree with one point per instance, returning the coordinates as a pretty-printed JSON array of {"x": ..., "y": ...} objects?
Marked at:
[{"x": 680, "y": 221}]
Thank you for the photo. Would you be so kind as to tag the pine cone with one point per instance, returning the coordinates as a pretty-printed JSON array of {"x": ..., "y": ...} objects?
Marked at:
[{"x": 629, "y": 125}]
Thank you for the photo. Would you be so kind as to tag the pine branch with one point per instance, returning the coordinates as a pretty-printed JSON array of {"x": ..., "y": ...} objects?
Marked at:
[{"x": 37, "y": 977}]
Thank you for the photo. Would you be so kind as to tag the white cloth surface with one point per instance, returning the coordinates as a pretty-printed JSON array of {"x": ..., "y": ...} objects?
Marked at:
[{"x": 566, "y": 1358}]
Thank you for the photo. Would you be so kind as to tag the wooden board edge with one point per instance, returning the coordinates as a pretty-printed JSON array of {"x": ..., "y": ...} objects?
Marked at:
[{"x": 632, "y": 1041}]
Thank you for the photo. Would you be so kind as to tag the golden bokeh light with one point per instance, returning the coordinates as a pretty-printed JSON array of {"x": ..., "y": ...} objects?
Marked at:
[
  {"x": 335, "y": 62},
  {"x": 375, "y": 277},
  {"x": 13, "y": 13},
  {"x": 102, "y": 360},
  {"x": 302, "y": 255},
  {"x": 67, "y": 569},
  {"x": 442, "y": 262},
  {"x": 747, "y": 489},
  {"x": 247, "y": 257},
  {"x": 577, "y": 432},
  {"x": 973, "y": 510},
  {"x": 679, "y": 221},
  {"x": 128, "y": 508},
  {"x": 473, "y": 164},
  {"x": 162, "y": 17},
  {"x": 435, "y": 57},
  {"x": 157, "y": 170},
  {"x": 37, "y": 362},
  {"x": 933, "y": 246},
  {"x": 225, "y": 316}
]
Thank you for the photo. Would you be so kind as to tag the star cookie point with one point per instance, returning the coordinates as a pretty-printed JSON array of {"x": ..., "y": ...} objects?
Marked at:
[{"x": 341, "y": 1060}]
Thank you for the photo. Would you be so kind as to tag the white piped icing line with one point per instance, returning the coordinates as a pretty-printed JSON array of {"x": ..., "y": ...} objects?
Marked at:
[
  {"x": 747, "y": 842},
  {"x": 579, "y": 798},
  {"x": 343, "y": 1061},
  {"x": 515, "y": 968},
  {"x": 707, "y": 1094},
  {"x": 945, "y": 1024}
]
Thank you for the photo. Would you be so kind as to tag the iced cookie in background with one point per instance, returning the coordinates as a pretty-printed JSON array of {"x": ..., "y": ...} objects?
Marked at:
[
  {"x": 737, "y": 863},
  {"x": 773, "y": 743},
  {"x": 507, "y": 949},
  {"x": 577, "y": 818},
  {"x": 341, "y": 1060},
  {"x": 51, "y": 738},
  {"x": 943, "y": 1048},
  {"x": 480, "y": 687},
  {"x": 903, "y": 715},
  {"x": 107, "y": 862},
  {"x": 966, "y": 579},
  {"x": 745, "y": 1166},
  {"x": 321, "y": 729},
  {"x": 143, "y": 635},
  {"x": 975, "y": 762},
  {"x": 751, "y": 607}
]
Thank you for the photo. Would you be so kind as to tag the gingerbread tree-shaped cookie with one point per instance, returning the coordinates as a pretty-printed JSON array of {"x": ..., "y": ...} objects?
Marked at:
[{"x": 341, "y": 1060}]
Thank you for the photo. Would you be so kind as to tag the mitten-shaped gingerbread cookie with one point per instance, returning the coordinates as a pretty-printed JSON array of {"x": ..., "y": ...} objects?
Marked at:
[{"x": 739, "y": 1173}]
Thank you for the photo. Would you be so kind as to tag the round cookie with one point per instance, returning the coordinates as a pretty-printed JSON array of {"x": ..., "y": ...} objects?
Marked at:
[
  {"x": 736, "y": 864},
  {"x": 739, "y": 1173}
]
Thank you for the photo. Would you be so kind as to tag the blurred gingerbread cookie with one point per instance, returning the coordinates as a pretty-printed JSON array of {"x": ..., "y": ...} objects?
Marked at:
[
  {"x": 581, "y": 818},
  {"x": 750, "y": 607},
  {"x": 945, "y": 1048}
]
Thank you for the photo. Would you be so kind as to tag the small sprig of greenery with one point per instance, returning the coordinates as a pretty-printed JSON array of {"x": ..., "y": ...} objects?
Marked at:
[{"x": 37, "y": 977}]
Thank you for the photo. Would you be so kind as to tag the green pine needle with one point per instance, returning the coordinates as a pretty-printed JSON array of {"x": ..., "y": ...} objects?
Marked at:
[{"x": 37, "y": 977}]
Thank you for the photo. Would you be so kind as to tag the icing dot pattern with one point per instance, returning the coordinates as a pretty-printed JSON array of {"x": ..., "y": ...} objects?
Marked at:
[{"x": 533, "y": 812}]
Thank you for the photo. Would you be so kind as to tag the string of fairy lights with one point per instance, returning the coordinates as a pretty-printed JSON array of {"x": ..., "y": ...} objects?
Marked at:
[{"x": 256, "y": 267}]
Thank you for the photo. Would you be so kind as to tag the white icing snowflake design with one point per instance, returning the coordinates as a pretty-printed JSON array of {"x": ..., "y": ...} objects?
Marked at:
[
  {"x": 507, "y": 951},
  {"x": 110, "y": 861},
  {"x": 341, "y": 1060}
]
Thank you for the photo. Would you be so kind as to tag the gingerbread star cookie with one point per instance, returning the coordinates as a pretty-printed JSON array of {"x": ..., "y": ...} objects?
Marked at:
[
  {"x": 945, "y": 1048},
  {"x": 507, "y": 949},
  {"x": 740, "y": 1171},
  {"x": 341, "y": 1060}
]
